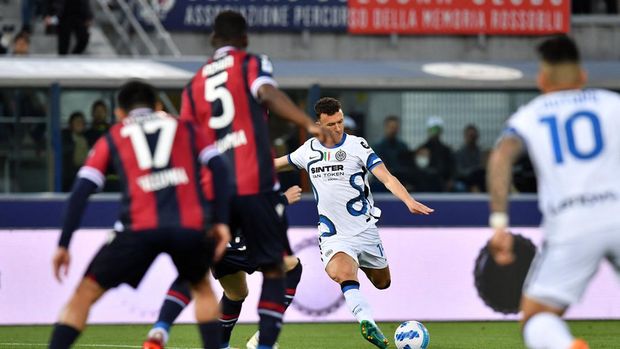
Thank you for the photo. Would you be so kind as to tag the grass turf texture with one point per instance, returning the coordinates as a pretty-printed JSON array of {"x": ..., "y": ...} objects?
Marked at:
[{"x": 444, "y": 335}]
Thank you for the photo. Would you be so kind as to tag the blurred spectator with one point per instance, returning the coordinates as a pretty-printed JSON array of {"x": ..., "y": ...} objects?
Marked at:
[
  {"x": 470, "y": 174},
  {"x": 27, "y": 12},
  {"x": 72, "y": 17},
  {"x": 100, "y": 125},
  {"x": 350, "y": 126},
  {"x": 74, "y": 149},
  {"x": 17, "y": 46},
  {"x": 393, "y": 151},
  {"x": 441, "y": 156},
  {"x": 423, "y": 177}
]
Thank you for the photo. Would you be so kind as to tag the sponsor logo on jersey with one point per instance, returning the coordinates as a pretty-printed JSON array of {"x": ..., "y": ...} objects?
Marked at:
[
  {"x": 363, "y": 143},
  {"x": 231, "y": 140},
  {"x": 341, "y": 155},
  {"x": 328, "y": 168},
  {"x": 163, "y": 179}
]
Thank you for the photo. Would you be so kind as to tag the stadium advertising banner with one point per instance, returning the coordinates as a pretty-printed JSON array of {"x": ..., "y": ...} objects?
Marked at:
[
  {"x": 272, "y": 15},
  {"x": 511, "y": 17},
  {"x": 432, "y": 279}
]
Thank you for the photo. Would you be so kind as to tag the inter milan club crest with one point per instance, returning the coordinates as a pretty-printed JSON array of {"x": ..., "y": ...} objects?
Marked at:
[{"x": 341, "y": 155}]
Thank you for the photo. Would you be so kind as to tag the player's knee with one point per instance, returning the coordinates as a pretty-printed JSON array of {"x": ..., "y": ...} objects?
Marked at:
[
  {"x": 272, "y": 271},
  {"x": 237, "y": 295}
]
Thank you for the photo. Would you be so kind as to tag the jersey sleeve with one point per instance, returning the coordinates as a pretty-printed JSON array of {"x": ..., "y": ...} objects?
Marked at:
[
  {"x": 206, "y": 150},
  {"x": 259, "y": 72},
  {"x": 514, "y": 127},
  {"x": 366, "y": 154},
  {"x": 97, "y": 163},
  {"x": 298, "y": 158}
]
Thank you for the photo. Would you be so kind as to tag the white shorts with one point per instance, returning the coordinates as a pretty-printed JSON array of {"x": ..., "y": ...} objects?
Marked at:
[
  {"x": 365, "y": 248},
  {"x": 562, "y": 270}
]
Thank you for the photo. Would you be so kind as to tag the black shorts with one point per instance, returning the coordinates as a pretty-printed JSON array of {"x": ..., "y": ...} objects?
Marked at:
[
  {"x": 262, "y": 221},
  {"x": 128, "y": 255},
  {"x": 233, "y": 262}
]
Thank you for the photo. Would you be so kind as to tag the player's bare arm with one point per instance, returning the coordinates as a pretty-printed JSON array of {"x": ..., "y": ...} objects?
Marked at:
[
  {"x": 221, "y": 233},
  {"x": 499, "y": 178},
  {"x": 281, "y": 164},
  {"x": 395, "y": 187},
  {"x": 60, "y": 263},
  {"x": 278, "y": 102}
]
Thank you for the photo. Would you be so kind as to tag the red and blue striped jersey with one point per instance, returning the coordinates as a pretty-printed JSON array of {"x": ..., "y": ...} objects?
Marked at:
[
  {"x": 222, "y": 99},
  {"x": 157, "y": 159}
]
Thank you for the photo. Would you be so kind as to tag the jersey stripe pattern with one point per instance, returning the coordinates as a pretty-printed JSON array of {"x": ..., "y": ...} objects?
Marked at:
[
  {"x": 222, "y": 99},
  {"x": 157, "y": 160}
]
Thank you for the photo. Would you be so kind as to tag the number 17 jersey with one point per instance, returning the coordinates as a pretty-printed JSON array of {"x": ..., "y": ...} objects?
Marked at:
[
  {"x": 573, "y": 139},
  {"x": 222, "y": 98},
  {"x": 339, "y": 177}
]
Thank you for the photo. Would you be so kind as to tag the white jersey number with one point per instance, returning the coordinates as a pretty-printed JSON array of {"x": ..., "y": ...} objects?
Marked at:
[
  {"x": 215, "y": 90},
  {"x": 167, "y": 128}
]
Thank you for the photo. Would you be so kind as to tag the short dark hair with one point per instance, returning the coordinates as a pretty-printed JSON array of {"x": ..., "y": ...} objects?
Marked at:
[
  {"x": 98, "y": 103},
  {"x": 229, "y": 25},
  {"x": 558, "y": 49},
  {"x": 391, "y": 118},
  {"x": 135, "y": 93},
  {"x": 327, "y": 105},
  {"x": 76, "y": 115}
]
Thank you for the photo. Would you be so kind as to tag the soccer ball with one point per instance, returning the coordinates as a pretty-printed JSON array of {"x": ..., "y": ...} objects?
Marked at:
[{"x": 411, "y": 335}]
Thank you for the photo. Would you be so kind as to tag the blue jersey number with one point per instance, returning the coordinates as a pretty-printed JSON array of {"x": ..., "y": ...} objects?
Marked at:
[
  {"x": 569, "y": 133},
  {"x": 360, "y": 198}
]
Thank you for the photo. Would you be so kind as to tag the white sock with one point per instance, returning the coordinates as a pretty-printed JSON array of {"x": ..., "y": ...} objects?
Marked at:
[
  {"x": 547, "y": 331},
  {"x": 357, "y": 303}
]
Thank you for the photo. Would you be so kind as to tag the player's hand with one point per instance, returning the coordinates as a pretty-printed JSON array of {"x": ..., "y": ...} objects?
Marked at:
[
  {"x": 317, "y": 132},
  {"x": 60, "y": 263},
  {"x": 417, "y": 207},
  {"x": 501, "y": 247},
  {"x": 221, "y": 233},
  {"x": 293, "y": 194}
]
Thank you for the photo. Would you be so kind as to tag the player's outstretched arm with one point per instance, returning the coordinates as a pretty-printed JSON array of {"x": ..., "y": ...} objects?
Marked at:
[
  {"x": 499, "y": 177},
  {"x": 281, "y": 164},
  {"x": 396, "y": 188},
  {"x": 279, "y": 103},
  {"x": 74, "y": 210}
]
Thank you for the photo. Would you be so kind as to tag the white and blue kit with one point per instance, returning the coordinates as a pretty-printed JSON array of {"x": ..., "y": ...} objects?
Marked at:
[
  {"x": 347, "y": 215},
  {"x": 573, "y": 140}
]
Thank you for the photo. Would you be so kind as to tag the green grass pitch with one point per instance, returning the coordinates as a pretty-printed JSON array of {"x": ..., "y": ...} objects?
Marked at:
[{"x": 444, "y": 335}]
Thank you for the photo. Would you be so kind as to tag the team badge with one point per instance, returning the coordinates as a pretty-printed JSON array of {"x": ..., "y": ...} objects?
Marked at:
[{"x": 341, "y": 155}]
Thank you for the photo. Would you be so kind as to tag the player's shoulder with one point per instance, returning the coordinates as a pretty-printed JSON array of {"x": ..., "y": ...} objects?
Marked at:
[
  {"x": 357, "y": 142},
  {"x": 605, "y": 95}
]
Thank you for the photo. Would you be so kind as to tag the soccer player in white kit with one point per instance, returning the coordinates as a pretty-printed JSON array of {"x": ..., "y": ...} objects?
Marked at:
[
  {"x": 348, "y": 237},
  {"x": 571, "y": 135}
]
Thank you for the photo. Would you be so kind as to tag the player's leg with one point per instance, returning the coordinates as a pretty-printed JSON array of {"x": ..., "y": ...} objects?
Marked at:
[
  {"x": 177, "y": 298},
  {"x": 557, "y": 278},
  {"x": 293, "y": 269},
  {"x": 73, "y": 316},
  {"x": 235, "y": 291},
  {"x": 207, "y": 314},
  {"x": 342, "y": 267},
  {"x": 372, "y": 259},
  {"x": 380, "y": 278},
  {"x": 192, "y": 254},
  {"x": 124, "y": 259},
  {"x": 265, "y": 232}
]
